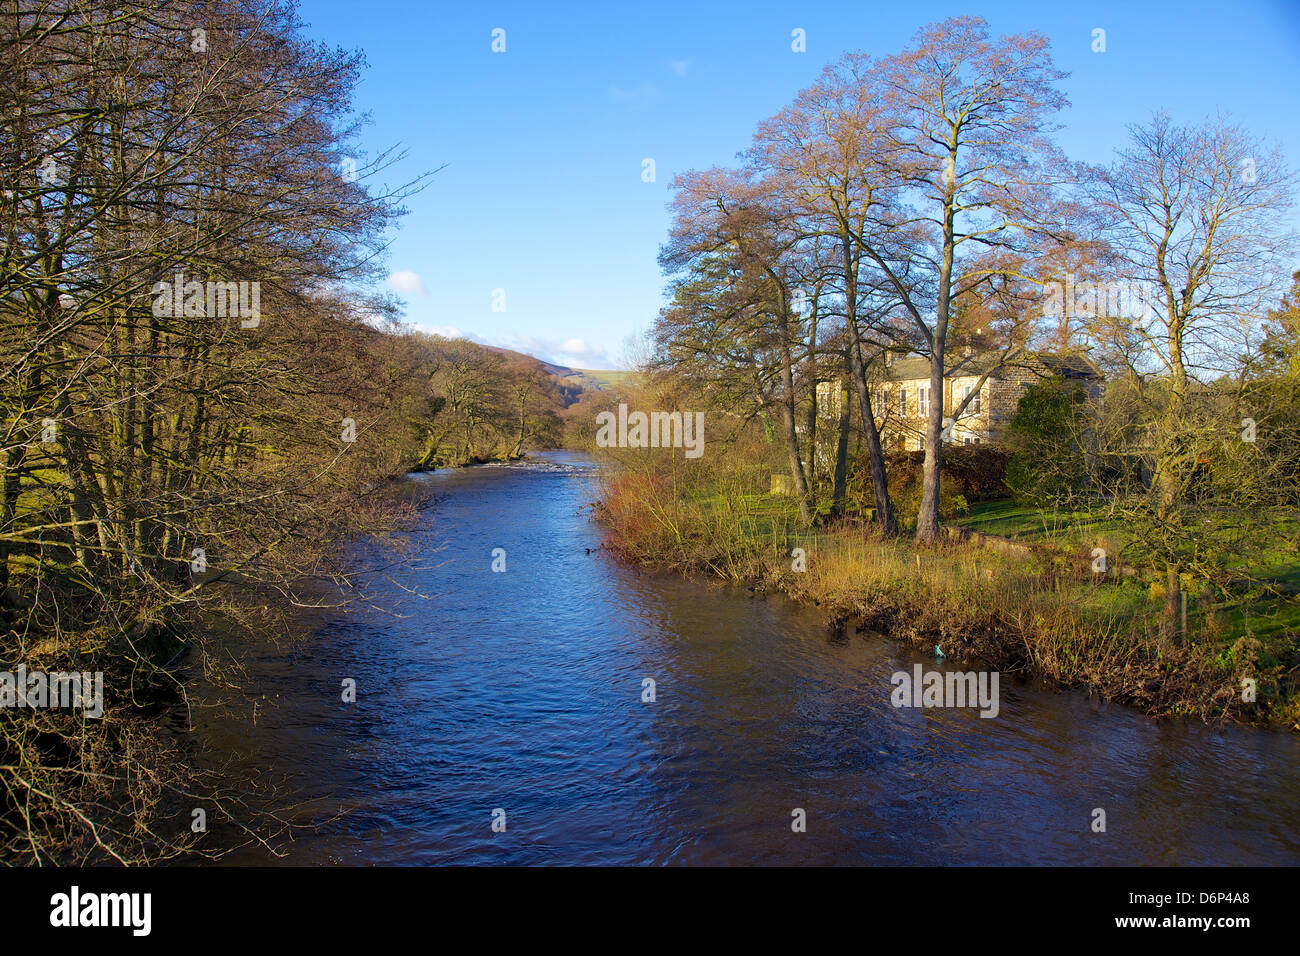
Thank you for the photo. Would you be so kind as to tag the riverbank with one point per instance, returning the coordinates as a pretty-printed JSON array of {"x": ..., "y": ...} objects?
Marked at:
[
  {"x": 443, "y": 464},
  {"x": 1030, "y": 612}
]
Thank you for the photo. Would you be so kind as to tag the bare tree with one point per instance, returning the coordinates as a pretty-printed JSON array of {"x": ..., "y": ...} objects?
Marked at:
[
  {"x": 973, "y": 150},
  {"x": 736, "y": 251},
  {"x": 1197, "y": 217},
  {"x": 829, "y": 154},
  {"x": 185, "y": 361}
]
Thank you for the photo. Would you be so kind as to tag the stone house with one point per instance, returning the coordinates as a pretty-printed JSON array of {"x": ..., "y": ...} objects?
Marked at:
[{"x": 901, "y": 401}]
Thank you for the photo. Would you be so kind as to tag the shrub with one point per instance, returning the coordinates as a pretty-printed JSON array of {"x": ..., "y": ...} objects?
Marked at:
[
  {"x": 975, "y": 472},
  {"x": 907, "y": 501},
  {"x": 1046, "y": 461}
]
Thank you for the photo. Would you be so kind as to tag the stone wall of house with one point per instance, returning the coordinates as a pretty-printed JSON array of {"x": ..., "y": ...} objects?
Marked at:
[
  {"x": 1013, "y": 382},
  {"x": 999, "y": 399},
  {"x": 903, "y": 432},
  {"x": 972, "y": 426},
  {"x": 1004, "y": 397}
]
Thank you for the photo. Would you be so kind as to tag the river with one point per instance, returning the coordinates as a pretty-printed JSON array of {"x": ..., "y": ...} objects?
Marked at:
[{"x": 522, "y": 691}]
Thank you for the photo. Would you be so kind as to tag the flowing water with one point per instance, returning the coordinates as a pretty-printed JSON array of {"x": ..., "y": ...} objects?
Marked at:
[{"x": 522, "y": 691}]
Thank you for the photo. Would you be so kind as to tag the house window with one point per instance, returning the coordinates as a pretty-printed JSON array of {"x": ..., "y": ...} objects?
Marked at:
[
  {"x": 880, "y": 403},
  {"x": 923, "y": 401},
  {"x": 830, "y": 398},
  {"x": 902, "y": 403},
  {"x": 920, "y": 443},
  {"x": 974, "y": 406}
]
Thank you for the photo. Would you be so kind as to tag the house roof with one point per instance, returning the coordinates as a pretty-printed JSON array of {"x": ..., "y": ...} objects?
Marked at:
[
  {"x": 917, "y": 367},
  {"x": 1070, "y": 365}
]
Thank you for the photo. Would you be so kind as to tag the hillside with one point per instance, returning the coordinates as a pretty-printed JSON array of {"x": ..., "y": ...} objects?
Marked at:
[{"x": 574, "y": 381}]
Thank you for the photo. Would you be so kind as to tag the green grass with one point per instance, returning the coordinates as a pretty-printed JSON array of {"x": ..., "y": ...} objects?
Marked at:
[
  {"x": 1266, "y": 616},
  {"x": 757, "y": 522},
  {"x": 1012, "y": 519}
]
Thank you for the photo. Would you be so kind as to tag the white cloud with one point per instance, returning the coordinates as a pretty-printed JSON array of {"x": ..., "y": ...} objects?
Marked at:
[
  {"x": 578, "y": 352},
  {"x": 572, "y": 351},
  {"x": 407, "y": 283}
]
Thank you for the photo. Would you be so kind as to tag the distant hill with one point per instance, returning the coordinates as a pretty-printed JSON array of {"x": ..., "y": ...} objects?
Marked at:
[{"x": 574, "y": 381}]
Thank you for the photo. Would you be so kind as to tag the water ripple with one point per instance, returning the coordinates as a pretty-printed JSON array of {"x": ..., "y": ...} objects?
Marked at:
[{"x": 522, "y": 691}]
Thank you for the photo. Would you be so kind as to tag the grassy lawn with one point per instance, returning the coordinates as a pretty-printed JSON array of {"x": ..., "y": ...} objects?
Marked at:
[{"x": 1012, "y": 519}]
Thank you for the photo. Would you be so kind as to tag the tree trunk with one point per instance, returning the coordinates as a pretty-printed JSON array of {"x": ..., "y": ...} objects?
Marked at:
[
  {"x": 839, "y": 491},
  {"x": 810, "y": 422},
  {"x": 786, "y": 418},
  {"x": 927, "y": 515},
  {"x": 787, "y": 404},
  {"x": 857, "y": 371}
]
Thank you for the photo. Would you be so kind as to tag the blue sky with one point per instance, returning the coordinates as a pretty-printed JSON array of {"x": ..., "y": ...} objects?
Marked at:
[{"x": 543, "y": 197}]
